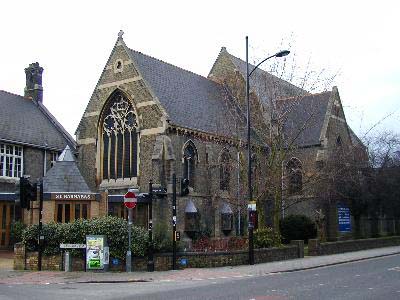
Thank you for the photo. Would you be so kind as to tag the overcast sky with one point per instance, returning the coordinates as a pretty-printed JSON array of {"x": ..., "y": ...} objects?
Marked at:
[{"x": 72, "y": 40}]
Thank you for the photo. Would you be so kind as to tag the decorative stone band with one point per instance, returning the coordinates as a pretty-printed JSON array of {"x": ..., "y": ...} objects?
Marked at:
[
  {"x": 117, "y": 83},
  {"x": 86, "y": 141},
  {"x": 338, "y": 118}
]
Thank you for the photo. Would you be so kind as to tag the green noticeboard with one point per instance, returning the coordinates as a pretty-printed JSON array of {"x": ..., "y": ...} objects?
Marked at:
[{"x": 95, "y": 251}]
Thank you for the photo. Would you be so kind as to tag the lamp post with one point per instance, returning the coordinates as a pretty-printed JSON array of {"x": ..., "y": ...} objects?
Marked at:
[{"x": 248, "y": 74}]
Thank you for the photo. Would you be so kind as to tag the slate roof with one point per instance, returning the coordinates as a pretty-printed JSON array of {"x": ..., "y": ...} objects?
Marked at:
[
  {"x": 190, "y": 100},
  {"x": 64, "y": 176},
  {"x": 264, "y": 84},
  {"x": 303, "y": 117},
  {"x": 28, "y": 122}
]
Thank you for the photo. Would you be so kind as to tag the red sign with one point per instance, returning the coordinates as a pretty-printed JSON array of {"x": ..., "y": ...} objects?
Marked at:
[{"x": 130, "y": 200}]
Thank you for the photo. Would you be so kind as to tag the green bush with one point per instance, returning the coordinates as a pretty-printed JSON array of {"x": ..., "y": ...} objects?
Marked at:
[
  {"x": 266, "y": 237},
  {"x": 116, "y": 230},
  {"x": 16, "y": 231},
  {"x": 297, "y": 227}
]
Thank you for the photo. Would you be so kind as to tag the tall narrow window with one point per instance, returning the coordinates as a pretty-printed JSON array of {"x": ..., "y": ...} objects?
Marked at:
[
  {"x": 119, "y": 137},
  {"x": 295, "y": 176},
  {"x": 224, "y": 171},
  {"x": 189, "y": 162}
]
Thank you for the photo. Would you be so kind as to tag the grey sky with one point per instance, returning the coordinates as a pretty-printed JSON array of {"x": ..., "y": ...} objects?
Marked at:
[{"x": 72, "y": 40}]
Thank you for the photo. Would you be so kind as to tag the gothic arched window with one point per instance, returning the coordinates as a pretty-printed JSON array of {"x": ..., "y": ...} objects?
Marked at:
[
  {"x": 189, "y": 162},
  {"x": 294, "y": 170},
  {"x": 224, "y": 170},
  {"x": 119, "y": 138}
]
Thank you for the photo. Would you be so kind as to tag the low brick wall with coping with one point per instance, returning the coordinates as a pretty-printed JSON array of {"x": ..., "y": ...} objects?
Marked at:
[
  {"x": 163, "y": 261},
  {"x": 316, "y": 248}
]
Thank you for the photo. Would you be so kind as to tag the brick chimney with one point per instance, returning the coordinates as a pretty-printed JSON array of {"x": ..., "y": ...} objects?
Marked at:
[{"x": 33, "y": 88}]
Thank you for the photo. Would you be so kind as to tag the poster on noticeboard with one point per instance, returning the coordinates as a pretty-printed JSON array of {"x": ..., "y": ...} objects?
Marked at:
[{"x": 95, "y": 245}]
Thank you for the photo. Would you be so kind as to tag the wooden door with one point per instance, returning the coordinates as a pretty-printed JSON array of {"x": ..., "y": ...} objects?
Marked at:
[{"x": 6, "y": 216}]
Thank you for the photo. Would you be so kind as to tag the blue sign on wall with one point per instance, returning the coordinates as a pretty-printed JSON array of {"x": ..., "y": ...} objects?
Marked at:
[{"x": 344, "y": 219}]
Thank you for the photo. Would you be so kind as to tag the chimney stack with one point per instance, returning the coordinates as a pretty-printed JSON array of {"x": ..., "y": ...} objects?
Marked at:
[{"x": 33, "y": 88}]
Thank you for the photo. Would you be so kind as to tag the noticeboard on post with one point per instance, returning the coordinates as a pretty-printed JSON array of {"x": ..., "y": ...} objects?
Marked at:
[
  {"x": 95, "y": 252},
  {"x": 344, "y": 219}
]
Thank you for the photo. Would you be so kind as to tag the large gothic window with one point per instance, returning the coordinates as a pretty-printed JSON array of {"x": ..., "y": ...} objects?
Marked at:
[
  {"x": 295, "y": 176},
  {"x": 224, "y": 170},
  {"x": 120, "y": 139},
  {"x": 189, "y": 162}
]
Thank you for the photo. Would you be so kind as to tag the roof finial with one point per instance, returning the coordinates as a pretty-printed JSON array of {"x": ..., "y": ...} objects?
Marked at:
[{"x": 120, "y": 34}]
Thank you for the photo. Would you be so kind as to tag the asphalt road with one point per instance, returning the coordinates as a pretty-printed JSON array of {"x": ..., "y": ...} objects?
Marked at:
[{"x": 377, "y": 278}]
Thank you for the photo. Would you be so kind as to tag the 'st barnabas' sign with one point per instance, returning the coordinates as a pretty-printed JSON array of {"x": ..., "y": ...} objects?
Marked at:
[{"x": 73, "y": 196}]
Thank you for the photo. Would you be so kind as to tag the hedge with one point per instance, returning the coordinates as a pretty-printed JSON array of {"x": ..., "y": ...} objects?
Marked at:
[
  {"x": 297, "y": 227},
  {"x": 116, "y": 230}
]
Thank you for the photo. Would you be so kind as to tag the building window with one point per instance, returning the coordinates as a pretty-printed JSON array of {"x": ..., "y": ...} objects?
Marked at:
[
  {"x": 10, "y": 160},
  {"x": 339, "y": 141},
  {"x": 53, "y": 158},
  {"x": 295, "y": 176},
  {"x": 69, "y": 211},
  {"x": 224, "y": 170},
  {"x": 120, "y": 139},
  {"x": 139, "y": 213},
  {"x": 189, "y": 162}
]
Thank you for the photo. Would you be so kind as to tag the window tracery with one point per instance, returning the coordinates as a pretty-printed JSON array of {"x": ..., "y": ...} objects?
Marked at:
[{"x": 119, "y": 136}]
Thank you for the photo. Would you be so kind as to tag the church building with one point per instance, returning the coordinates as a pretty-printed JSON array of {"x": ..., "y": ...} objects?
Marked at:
[{"x": 148, "y": 119}]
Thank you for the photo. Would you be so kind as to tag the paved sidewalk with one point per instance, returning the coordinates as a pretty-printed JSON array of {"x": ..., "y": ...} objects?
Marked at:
[{"x": 48, "y": 277}]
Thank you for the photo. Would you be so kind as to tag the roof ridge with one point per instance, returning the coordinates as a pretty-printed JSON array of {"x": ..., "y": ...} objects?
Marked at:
[
  {"x": 13, "y": 94},
  {"x": 305, "y": 95},
  {"x": 53, "y": 120},
  {"x": 177, "y": 67}
]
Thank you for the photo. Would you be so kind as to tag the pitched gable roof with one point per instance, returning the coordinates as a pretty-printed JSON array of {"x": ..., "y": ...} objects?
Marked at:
[
  {"x": 64, "y": 176},
  {"x": 190, "y": 100},
  {"x": 303, "y": 117},
  {"x": 29, "y": 122}
]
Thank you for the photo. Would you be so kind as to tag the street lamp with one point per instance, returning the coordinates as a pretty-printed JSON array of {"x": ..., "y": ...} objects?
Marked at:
[{"x": 248, "y": 74}]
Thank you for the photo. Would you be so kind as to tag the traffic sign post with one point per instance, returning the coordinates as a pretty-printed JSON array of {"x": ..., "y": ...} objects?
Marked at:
[{"x": 130, "y": 201}]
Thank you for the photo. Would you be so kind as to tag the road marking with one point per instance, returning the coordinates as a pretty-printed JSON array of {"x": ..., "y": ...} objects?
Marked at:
[
  {"x": 394, "y": 269},
  {"x": 321, "y": 284},
  {"x": 238, "y": 276},
  {"x": 198, "y": 279},
  {"x": 370, "y": 288},
  {"x": 211, "y": 278},
  {"x": 358, "y": 275},
  {"x": 166, "y": 280},
  {"x": 249, "y": 275},
  {"x": 223, "y": 277}
]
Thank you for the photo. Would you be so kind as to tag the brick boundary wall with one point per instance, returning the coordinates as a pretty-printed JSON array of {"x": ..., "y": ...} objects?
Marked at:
[
  {"x": 163, "y": 261},
  {"x": 316, "y": 248}
]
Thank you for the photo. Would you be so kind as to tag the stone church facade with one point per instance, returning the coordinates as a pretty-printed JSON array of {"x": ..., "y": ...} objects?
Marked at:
[{"x": 148, "y": 119}]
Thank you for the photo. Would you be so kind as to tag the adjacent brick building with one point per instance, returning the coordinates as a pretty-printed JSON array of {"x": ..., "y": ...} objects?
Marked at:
[{"x": 30, "y": 141}]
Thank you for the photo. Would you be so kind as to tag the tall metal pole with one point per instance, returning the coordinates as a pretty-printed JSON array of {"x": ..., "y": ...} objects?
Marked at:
[
  {"x": 129, "y": 252},
  {"x": 150, "y": 257},
  {"x": 238, "y": 193},
  {"x": 174, "y": 221},
  {"x": 41, "y": 237},
  {"x": 249, "y": 183}
]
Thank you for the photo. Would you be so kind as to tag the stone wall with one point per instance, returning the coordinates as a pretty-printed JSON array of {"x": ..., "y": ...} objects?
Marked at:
[
  {"x": 163, "y": 261},
  {"x": 316, "y": 248}
]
